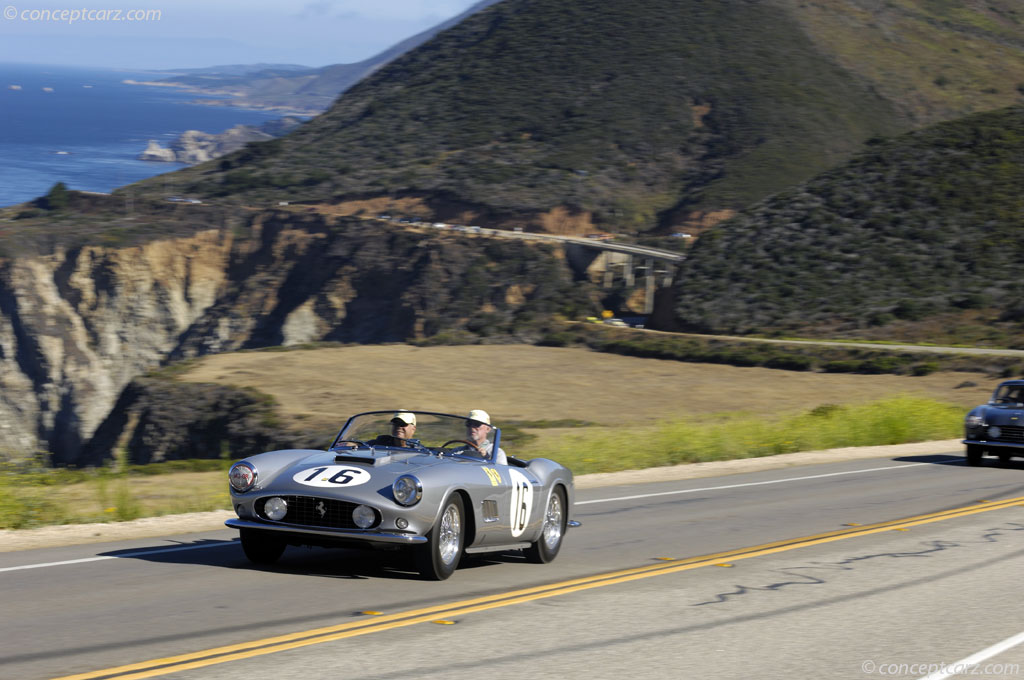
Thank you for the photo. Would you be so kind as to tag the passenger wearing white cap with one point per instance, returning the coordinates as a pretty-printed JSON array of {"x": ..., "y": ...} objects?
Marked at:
[
  {"x": 478, "y": 426},
  {"x": 403, "y": 427}
]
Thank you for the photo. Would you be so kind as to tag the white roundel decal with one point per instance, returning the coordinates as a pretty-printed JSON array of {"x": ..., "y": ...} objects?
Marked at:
[
  {"x": 522, "y": 501},
  {"x": 332, "y": 475}
]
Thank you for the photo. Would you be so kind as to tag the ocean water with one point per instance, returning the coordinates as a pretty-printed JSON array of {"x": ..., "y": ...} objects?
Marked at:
[{"x": 87, "y": 127}]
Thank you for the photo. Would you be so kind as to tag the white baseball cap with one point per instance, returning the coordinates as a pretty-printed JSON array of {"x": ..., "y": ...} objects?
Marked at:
[
  {"x": 405, "y": 416},
  {"x": 479, "y": 416}
]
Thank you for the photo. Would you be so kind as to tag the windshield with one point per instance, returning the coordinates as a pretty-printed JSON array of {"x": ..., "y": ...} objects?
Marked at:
[
  {"x": 1010, "y": 394},
  {"x": 413, "y": 429}
]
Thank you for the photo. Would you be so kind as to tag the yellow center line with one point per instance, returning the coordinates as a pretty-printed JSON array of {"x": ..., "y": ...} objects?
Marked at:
[{"x": 452, "y": 610}]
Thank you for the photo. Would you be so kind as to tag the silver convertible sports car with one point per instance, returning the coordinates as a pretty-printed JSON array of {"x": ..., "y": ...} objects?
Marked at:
[
  {"x": 997, "y": 428},
  {"x": 428, "y": 481}
]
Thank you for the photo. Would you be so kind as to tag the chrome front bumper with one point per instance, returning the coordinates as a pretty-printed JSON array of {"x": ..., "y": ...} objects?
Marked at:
[
  {"x": 369, "y": 536},
  {"x": 986, "y": 442}
]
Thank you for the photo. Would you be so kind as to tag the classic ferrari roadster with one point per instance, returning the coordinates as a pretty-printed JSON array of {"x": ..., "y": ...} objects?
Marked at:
[{"x": 403, "y": 478}]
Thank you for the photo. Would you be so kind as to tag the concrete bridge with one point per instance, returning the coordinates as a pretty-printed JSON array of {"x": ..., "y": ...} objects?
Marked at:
[
  {"x": 604, "y": 261},
  {"x": 633, "y": 265}
]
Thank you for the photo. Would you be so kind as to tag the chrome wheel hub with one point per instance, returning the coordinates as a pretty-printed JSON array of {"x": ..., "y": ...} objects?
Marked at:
[
  {"x": 553, "y": 522},
  {"x": 448, "y": 535}
]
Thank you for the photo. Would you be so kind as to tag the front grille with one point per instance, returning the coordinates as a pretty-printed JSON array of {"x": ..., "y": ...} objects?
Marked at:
[
  {"x": 1011, "y": 433},
  {"x": 309, "y": 511}
]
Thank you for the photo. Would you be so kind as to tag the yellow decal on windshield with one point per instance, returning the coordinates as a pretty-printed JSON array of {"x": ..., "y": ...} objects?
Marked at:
[{"x": 493, "y": 475}]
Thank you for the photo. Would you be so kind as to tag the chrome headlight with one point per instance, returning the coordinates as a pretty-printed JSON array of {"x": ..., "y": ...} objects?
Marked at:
[
  {"x": 974, "y": 421},
  {"x": 242, "y": 476},
  {"x": 364, "y": 516},
  {"x": 407, "y": 490},
  {"x": 994, "y": 432},
  {"x": 275, "y": 508}
]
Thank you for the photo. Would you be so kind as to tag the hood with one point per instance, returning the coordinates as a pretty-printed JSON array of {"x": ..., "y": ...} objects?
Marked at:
[
  {"x": 1004, "y": 415},
  {"x": 344, "y": 472}
]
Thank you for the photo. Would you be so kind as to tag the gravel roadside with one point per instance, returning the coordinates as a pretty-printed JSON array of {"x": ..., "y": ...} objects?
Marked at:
[{"x": 74, "y": 534}]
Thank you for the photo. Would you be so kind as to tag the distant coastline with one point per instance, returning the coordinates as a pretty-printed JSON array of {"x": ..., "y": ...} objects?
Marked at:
[
  {"x": 88, "y": 132},
  {"x": 237, "y": 104}
]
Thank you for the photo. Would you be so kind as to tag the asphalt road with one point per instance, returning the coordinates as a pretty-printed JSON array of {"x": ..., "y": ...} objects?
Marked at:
[{"x": 622, "y": 600}]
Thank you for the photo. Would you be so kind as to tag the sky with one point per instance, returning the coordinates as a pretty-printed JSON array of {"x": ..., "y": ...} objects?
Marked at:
[{"x": 169, "y": 34}]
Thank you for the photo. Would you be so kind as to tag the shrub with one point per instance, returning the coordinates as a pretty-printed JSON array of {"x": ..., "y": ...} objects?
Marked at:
[
  {"x": 926, "y": 368},
  {"x": 56, "y": 199}
]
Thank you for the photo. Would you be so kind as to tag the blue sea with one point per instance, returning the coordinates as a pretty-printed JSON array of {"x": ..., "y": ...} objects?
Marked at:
[{"x": 87, "y": 127}]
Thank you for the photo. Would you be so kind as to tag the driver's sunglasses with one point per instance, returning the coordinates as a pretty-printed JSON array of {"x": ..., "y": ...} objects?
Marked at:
[
  {"x": 473, "y": 424},
  {"x": 400, "y": 423}
]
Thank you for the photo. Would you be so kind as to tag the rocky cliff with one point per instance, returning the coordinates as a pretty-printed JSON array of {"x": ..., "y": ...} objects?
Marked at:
[
  {"x": 80, "y": 323},
  {"x": 194, "y": 146}
]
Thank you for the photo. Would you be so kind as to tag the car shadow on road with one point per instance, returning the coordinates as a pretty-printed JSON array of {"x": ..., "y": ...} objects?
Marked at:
[
  {"x": 936, "y": 458},
  {"x": 947, "y": 459},
  {"x": 337, "y": 563}
]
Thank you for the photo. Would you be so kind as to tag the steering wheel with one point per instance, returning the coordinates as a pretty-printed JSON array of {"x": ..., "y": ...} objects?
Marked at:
[
  {"x": 351, "y": 441},
  {"x": 462, "y": 441}
]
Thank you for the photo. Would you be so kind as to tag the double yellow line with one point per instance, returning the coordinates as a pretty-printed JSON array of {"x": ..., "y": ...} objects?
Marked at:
[{"x": 376, "y": 624}]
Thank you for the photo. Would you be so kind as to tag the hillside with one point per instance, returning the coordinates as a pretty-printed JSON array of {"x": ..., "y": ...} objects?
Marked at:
[
  {"x": 622, "y": 110},
  {"x": 918, "y": 237},
  {"x": 635, "y": 115},
  {"x": 298, "y": 88}
]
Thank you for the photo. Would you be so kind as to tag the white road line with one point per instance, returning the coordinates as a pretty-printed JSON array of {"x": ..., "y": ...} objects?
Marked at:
[
  {"x": 969, "y": 665},
  {"x": 98, "y": 558},
  {"x": 737, "y": 486}
]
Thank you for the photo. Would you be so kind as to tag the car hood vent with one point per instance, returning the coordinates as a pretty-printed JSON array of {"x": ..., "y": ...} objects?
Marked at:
[{"x": 371, "y": 460}]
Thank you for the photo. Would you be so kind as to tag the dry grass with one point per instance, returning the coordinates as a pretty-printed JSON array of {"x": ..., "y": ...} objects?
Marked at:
[
  {"x": 519, "y": 382},
  {"x": 160, "y": 494}
]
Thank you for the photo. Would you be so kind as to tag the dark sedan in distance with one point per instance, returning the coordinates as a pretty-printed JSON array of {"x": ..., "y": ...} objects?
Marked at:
[{"x": 997, "y": 428}]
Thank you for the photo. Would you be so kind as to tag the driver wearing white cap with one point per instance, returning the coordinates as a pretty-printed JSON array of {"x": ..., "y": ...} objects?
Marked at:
[
  {"x": 403, "y": 427},
  {"x": 478, "y": 426}
]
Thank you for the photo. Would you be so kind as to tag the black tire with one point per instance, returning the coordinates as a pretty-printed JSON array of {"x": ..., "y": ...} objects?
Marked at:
[
  {"x": 1005, "y": 458},
  {"x": 556, "y": 519},
  {"x": 973, "y": 454},
  {"x": 439, "y": 557},
  {"x": 261, "y": 547}
]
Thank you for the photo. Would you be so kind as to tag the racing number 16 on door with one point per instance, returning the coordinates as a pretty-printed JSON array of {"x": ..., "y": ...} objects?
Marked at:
[{"x": 522, "y": 500}]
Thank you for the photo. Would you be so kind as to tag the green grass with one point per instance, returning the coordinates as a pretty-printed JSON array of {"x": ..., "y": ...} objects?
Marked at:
[
  {"x": 742, "y": 435},
  {"x": 32, "y": 495}
]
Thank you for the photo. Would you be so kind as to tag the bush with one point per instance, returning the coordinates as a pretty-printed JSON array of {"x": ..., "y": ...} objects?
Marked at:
[
  {"x": 557, "y": 339},
  {"x": 789, "y": 362},
  {"x": 56, "y": 199},
  {"x": 926, "y": 368},
  {"x": 842, "y": 366}
]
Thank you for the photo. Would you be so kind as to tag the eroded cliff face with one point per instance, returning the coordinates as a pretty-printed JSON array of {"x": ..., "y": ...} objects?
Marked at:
[{"x": 78, "y": 325}]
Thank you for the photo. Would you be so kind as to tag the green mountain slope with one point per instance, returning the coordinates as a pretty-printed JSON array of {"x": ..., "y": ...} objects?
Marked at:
[
  {"x": 918, "y": 237},
  {"x": 628, "y": 110},
  {"x": 634, "y": 115}
]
